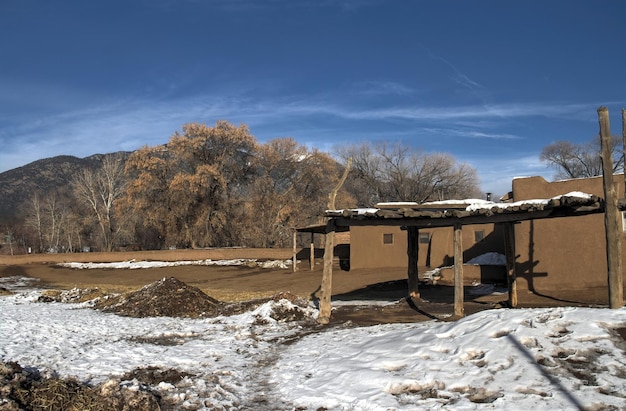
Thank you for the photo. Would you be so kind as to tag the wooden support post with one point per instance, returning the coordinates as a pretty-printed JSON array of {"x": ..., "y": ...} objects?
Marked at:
[
  {"x": 459, "y": 310},
  {"x": 294, "y": 261},
  {"x": 509, "y": 250},
  {"x": 329, "y": 252},
  {"x": 327, "y": 277},
  {"x": 624, "y": 145},
  {"x": 412, "y": 250},
  {"x": 312, "y": 252},
  {"x": 611, "y": 215}
]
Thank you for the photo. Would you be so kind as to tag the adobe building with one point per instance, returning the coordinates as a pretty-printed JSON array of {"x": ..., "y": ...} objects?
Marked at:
[
  {"x": 551, "y": 254},
  {"x": 386, "y": 246},
  {"x": 562, "y": 253}
]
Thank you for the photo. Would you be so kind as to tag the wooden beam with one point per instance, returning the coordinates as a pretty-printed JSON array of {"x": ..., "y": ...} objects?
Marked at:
[
  {"x": 294, "y": 261},
  {"x": 509, "y": 251},
  {"x": 459, "y": 300},
  {"x": 312, "y": 252},
  {"x": 412, "y": 250},
  {"x": 611, "y": 215},
  {"x": 327, "y": 276},
  {"x": 624, "y": 145}
]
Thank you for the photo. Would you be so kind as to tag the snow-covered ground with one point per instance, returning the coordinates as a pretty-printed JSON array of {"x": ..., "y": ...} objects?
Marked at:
[
  {"x": 540, "y": 359},
  {"x": 133, "y": 264}
]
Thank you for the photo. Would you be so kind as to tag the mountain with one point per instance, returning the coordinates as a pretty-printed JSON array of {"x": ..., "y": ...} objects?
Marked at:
[{"x": 42, "y": 176}]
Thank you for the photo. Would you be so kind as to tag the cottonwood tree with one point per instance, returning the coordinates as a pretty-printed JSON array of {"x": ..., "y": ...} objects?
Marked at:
[
  {"x": 33, "y": 219},
  {"x": 183, "y": 192},
  {"x": 580, "y": 160},
  {"x": 51, "y": 222},
  {"x": 98, "y": 190},
  {"x": 290, "y": 188},
  {"x": 395, "y": 172}
]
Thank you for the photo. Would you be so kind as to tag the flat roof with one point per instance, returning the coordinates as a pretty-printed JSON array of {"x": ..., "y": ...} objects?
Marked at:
[{"x": 475, "y": 212}]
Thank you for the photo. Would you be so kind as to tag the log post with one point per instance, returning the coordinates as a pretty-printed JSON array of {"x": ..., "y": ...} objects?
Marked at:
[
  {"x": 329, "y": 253},
  {"x": 509, "y": 250},
  {"x": 294, "y": 261},
  {"x": 412, "y": 250},
  {"x": 624, "y": 145},
  {"x": 312, "y": 252},
  {"x": 611, "y": 215},
  {"x": 327, "y": 276},
  {"x": 459, "y": 310}
]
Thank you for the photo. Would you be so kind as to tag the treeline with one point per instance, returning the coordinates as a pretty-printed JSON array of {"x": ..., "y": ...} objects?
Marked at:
[{"x": 218, "y": 187}]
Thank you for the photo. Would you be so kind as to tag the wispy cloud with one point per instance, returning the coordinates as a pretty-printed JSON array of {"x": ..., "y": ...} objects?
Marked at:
[
  {"x": 129, "y": 124},
  {"x": 470, "y": 133},
  {"x": 503, "y": 111},
  {"x": 382, "y": 88},
  {"x": 457, "y": 76}
]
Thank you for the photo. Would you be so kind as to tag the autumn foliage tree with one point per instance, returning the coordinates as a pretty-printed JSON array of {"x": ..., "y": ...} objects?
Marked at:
[
  {"x": 181, "y": 191},
  {"x": 290, "y": 188},
  {"x": 216, "y": 186}
]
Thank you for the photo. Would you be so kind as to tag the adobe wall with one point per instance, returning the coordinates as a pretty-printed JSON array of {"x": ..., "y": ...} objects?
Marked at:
[
  {"x": 561, "y": 253},
  {"x": 472, "y": 274},
  {"x": 368, "y": 250}
]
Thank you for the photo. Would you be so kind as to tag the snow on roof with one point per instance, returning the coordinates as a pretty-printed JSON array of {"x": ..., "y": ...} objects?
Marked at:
[
  {"x": 470, "y": 204},
  {"x": 544, "y": 201}
]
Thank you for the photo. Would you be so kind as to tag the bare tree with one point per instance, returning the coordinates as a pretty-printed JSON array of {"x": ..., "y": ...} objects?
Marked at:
[
  {"x": 34, "y": 219},
  {"x": 394, "y": 172},
  {"x": 46, "y": 219},
  {"x": 580, "y": 160},
  {"x": 98, "y": 189},
  {"x": 54, "y": 216}
]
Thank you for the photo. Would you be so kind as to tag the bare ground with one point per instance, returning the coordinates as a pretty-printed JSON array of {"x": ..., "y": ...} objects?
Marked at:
[{"x": 243, "y": 283}]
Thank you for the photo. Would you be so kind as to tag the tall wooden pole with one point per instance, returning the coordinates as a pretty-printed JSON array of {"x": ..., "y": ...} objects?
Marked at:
[
  {"x": 611, "y": 215},
  {"x": 624, "y": 147},
  {"x": 312, "y": 252},
  {"x": 412, "y": 250},
  {"x": 459, "y": 299},
  {"x": 294, "y": 263},
  {"x": 329, "y": 253},
  {"x": 509, "y": 249},
  {"x": 327, "y": 277}
]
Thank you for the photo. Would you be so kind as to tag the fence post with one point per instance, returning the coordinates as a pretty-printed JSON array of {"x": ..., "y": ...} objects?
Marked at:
[
  {"x": 611, "y": 215},
  {"x": 412, "y": 249},
  {"x": 459, "y": 300}
]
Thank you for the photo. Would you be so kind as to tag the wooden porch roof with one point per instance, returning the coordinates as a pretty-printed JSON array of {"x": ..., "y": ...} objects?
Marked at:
[{"x": 437, "y": 215}]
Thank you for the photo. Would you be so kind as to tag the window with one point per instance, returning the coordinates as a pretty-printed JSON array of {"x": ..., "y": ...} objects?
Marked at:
[
  {"x": 624, "y": 221},
  {"x": 388, "y": 238},
  {"x": 424, "y": 238},
  {"x": 479, "y": 235}
]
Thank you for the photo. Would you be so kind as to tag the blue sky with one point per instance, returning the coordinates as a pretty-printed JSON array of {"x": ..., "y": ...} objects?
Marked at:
[{"x": 490, "y": 82}]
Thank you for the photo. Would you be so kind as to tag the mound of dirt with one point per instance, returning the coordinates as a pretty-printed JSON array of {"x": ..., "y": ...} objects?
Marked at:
[
  {"x": 75, "y": 295},
  {"x": 171, "y": 297},
  {"x": 166, "y": 298},
  {"x": 243, "y": 306}
]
